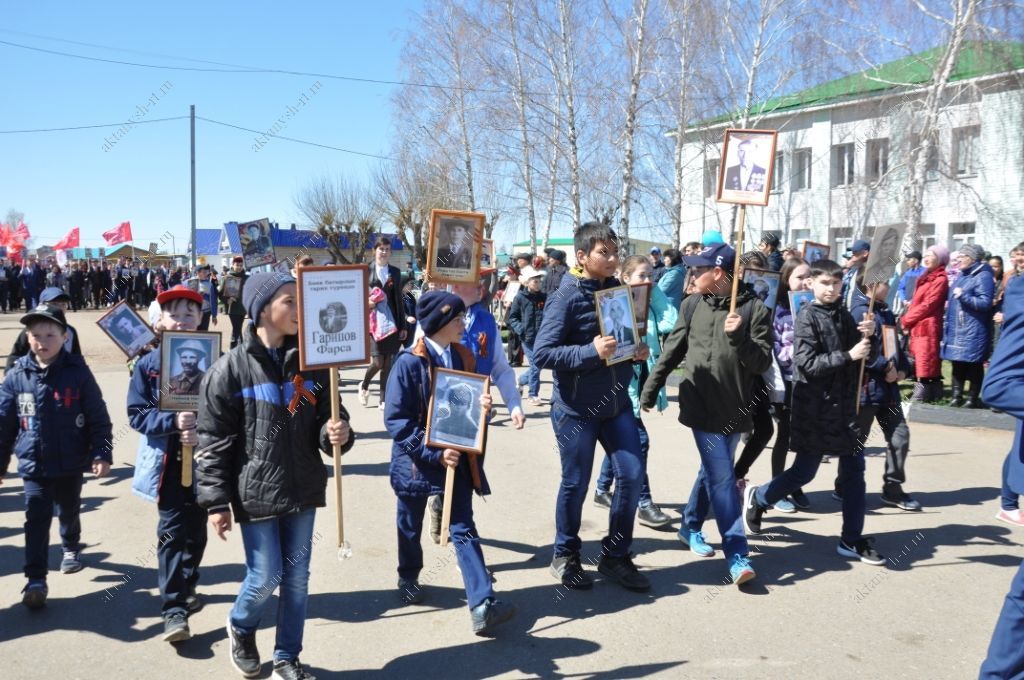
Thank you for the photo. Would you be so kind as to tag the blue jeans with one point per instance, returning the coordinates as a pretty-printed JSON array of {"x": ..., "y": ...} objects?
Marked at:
[
  {"x": 577, "y": 439},
  {"x": 42, "y": 494},
  {"x": 1006, "y": 650},
  {"x": 532, "y": 375},
  {"x": 851, "y": 481},
  {"x": 715, "y": 487},
  {"x": 1008, "y": 499},
  {"x": 604, "y": 479},
  {"x": 181, "y": 540},
  {"x": 277, "y": 552}
]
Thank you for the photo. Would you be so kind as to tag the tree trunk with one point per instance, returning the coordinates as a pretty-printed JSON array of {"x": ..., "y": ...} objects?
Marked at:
[{"x": 630, "y": 127}]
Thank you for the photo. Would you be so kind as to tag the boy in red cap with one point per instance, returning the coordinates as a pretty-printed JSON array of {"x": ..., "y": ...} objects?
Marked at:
[{"x": 181, "y": 530}]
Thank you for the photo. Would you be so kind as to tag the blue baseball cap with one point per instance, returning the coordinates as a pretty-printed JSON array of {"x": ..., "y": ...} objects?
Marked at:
[
  {"x": 860, "y": 245},
  {"x": 53, "y": 294},
  {"x": 719, "y": 255}
]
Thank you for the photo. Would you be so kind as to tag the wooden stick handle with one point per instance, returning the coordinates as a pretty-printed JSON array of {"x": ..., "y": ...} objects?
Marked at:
[
  {"x": 446, "y": 511},
  {"x": 736, "y": 264},
  {"x": 336, "y": 451},
  {"x": 864, "y": 361},
  {"x": 186, "y": 465}
]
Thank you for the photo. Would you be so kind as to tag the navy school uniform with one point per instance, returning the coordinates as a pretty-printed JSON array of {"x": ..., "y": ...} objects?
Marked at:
[{"x": 418, "y": 473}]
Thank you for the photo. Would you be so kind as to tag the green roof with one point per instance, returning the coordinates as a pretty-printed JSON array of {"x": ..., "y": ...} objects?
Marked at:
[{"x": 976, "y": 59}]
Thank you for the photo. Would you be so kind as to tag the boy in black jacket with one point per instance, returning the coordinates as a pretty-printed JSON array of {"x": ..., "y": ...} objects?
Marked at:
[
  {"x": 53, "y": 417},
  {"x": 828, "y": 347},
  {"x": 260, "y": 425},
  {"x": 524, "y": 319}
]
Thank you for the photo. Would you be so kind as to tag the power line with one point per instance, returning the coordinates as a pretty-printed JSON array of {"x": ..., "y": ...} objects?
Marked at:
[
  {"x": 297, "y": 141},
  {"x": 93, "y": 127}
]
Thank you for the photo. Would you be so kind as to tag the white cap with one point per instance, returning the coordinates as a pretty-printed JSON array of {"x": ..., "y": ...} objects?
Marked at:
[{"x": 528, "y": 273}]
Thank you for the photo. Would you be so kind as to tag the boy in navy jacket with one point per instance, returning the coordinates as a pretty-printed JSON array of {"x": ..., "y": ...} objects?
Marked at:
[
  {"x": 181, "y": 530},
  {"x": 591, "y": 403},
  {"x": 418, "y": 470},
  {"x": 53, "y": 416}
]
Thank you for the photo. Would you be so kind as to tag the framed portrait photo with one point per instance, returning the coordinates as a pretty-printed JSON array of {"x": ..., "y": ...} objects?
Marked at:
[
  {"x": 126, "y": 328},
  {"x": 764, "y": 284},
  {"x": 511, "y": 290},
  {"x": 254, "y": 237},
  {"x": 487, "y": 261},
  {"x": 745, "y": 171},
  {"x": 454, "y": 246},
  {"x": 799, "y": 298},
  {"x": 333, "y": 316},
  {"x": 615, "y": 317},
  {"x": 232, "y": 287},
  {"x": 885, "y": 254},
  {"x": 185, "y": 357},
  {"x": 890, "y": 343},
  {"x": 812, "y": 252},
  {"x": 641, "y": 293},
  {"x": 455, "y": 418}
]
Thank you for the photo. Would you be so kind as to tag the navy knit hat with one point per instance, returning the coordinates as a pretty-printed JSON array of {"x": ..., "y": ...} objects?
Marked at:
[
  {"x": 259, "y": 290},
  {"x": 436, "y": 309}
]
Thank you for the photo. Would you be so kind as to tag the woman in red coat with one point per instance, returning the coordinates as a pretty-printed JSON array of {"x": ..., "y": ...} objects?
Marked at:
[{"x": 923, "y": 320}]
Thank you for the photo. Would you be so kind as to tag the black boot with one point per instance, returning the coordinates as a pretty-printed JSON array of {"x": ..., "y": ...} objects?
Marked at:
[
  {"x": 936, "y": 390},
  {"x": 974, "y": 396},
  {"x": 957, "y": 399}
]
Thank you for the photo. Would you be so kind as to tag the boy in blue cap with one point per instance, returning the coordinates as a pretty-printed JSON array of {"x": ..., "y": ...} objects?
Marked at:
[
  {"x": 418, "y": 470},
  {"x": 53, "y": 417}
]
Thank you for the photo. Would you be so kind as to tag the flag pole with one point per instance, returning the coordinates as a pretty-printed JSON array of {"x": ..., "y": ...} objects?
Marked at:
[{"x": 192, "y": 115}]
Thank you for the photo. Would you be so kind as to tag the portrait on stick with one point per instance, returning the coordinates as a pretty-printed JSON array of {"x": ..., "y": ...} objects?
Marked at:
[
  {"x": 454, "y": 246},
  {"x": 126, "y": 328},
  {"x": 185, "y": 357},
  {"x": 615, "y": 317},
  {"x": 456, "y": 420},
  {"x": 745, "y": 171}
]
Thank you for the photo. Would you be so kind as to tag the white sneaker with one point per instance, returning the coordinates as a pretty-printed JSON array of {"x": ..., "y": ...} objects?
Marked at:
[
  {"x": 380, "y": 406},
  {"x": 1011, "y": 517},
  {"x": 364, "y": 396}
]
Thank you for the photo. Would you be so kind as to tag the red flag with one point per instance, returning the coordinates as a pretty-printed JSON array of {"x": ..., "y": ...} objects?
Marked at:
[
  {"x": 69, "y": 241},
  {"x": 122, "y": 233},
  {"x": 22, "y": 231}
]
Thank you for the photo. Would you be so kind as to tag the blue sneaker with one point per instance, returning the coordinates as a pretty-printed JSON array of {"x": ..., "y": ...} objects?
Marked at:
[
  {"x": 785, "y": 505},
  {"x": 34, "y": 594},
  {"x": 695, "y": 541},
  {"x": 740, "y": 570}
]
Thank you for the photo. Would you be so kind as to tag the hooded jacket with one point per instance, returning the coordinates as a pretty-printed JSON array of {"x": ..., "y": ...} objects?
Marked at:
[
  {"x": 717, "y": 388},
  {"x": 825, "y": 389},
  {"x": 254, "y": 453},
  {"x": 54, "y": 418},
  {"x": 968, "y": 331}
]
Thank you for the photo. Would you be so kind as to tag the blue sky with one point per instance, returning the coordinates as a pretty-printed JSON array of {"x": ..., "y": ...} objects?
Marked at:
[{"x": 66, "y": 179}]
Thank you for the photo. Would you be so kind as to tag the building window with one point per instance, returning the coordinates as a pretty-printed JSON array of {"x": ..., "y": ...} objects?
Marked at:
[
  {"x": 778, "y": 172},
  {"x": 925, "y": 237},
  {"x": 965, "y": 150},
  {"x": 842, "y": 165},
  {"x": 842, "y": 239},
  {"x": 710, "y": 178},
  {"x": 959, "y": 234},
  {"x": 877, "y": 159},
  {"x": 801, "y": 175}
]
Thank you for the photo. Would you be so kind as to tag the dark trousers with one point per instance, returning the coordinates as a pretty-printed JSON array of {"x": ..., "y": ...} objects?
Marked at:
[
  {"x": 897, "y": 439},
  {"x": 604, "y": 479},
  {"x": 1006, "y": 650},
  {"x": 577, "y": 440},
  {"x": 236, "y": 328},
  {"x": 764, "y": 428},
  {"x": 42, "y": 494},
  {"x": 973, "y": 371},
  {"x": 3, "y": 295},
  {"x": 181, "y": 539},
  {"x": 803, "y": 470},
  {"x": 1008, "y": 498},
  {"x": 204, "y": 322},
  {"x": 379, "y": 363},
  {"x": 464, "y": 537}
]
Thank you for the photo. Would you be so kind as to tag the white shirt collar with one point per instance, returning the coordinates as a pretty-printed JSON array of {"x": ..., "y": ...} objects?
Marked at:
[{"x": 444, "y": 352}]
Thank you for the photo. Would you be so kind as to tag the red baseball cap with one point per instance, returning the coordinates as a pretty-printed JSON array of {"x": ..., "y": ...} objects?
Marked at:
[{"x": 179, "y": 292}]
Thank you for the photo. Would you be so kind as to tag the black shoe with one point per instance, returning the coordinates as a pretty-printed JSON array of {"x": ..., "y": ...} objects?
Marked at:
[
  {"x": 837, "y": 495},
  {"x": 244, "y": 655},
  {"x": 435, "y": 506},
  {"x": 893, "y": 494},
  {"x": 34, "y": 594},
  {"x": 176, "y": 628},
  {"x": 290, "y": 669},
  {"x": 192, "y": 602},
  {"x": 752, "y": 513},
  {"x": 800, "y": 499},
  {"x": 970, "y": 403},
  {"x": 569, "y": 571},
  {"x": 624, "y": 572},
  {"x": 602, "y": 499},
  {"x": 862, "y": 550},
  {"x": 410, "y": 591},
  {"x": 490, "y": 614},
  {"x": 652, "y": 516}
]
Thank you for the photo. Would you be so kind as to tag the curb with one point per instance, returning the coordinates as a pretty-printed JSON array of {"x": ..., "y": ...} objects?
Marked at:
[{"x": 927, "y": 414}]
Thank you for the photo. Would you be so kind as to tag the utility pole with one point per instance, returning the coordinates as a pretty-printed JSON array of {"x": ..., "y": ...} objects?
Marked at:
[{"x": 192, "y": 109}]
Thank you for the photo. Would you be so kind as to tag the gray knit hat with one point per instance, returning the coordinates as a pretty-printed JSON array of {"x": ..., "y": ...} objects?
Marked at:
[{"x": 973, "y": 251}]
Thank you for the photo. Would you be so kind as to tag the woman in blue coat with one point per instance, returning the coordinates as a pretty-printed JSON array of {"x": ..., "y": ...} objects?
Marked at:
[{"x": 966, "y": 335}]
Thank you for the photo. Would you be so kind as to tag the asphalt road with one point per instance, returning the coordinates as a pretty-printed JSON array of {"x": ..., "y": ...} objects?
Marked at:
[{"x": 928, "y": 614}]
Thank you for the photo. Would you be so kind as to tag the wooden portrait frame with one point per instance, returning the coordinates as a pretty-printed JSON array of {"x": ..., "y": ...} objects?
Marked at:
[
  {"x": 623, "y": 352},
  {"x": 440, "y": 220},
  {"x": 763, "y": 140},
  {"x": 169, "y": 342},
  {"x": 814, "y": 246},
  {"x": 121, "y": 310},
  {"x": 432, "y": 436},
  {"x": 325, "y": 289},
  {"x": 761, "y": 275},
  {"x": 890, "y": 343},
  {"x": 641, "y": 293}
]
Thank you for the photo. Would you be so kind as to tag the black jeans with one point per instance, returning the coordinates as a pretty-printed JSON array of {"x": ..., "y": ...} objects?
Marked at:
[
  {"x": 181, "y": 539},
  {"x": 759, "y": 438},
  {"x": 42, "y": 494},
  {"x": 236, "y": 328},
  {"x": 897, "y": 439}
]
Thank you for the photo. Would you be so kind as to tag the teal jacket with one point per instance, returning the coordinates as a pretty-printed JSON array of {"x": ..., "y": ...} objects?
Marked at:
[{"x": 661, "y": 319}]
